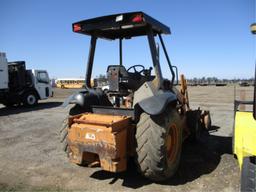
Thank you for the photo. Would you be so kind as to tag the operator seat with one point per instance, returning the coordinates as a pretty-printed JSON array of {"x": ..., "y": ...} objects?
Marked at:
[{"x": 118, "y": 79}]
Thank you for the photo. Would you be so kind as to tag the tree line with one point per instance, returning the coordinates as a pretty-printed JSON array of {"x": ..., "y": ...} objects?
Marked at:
[
  {"x": 215, "y": 80},
  {"x": 102, "y": 80}
]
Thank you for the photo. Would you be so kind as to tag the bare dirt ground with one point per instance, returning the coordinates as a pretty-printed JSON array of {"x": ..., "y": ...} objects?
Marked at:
[{"x": 31, "y": 158}]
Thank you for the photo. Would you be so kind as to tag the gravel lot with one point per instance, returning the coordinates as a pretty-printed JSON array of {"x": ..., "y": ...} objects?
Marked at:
[{"x": 31, "y": 158}]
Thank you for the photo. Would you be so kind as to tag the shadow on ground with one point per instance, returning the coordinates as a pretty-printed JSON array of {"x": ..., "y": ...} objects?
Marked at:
[
  {"x": 22, "y": 109},
  {"x": 197, "y": 159}
]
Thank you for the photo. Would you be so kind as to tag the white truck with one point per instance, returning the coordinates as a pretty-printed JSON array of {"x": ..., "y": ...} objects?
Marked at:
[{"x": 19, "y": 85}]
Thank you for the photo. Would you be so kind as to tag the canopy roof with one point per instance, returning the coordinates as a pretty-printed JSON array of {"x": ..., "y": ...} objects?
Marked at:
[{"x": 123, "y": 25}]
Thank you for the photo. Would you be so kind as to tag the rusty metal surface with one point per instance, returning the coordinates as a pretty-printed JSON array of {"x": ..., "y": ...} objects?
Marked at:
[
  {"x": 99, "y": 138},
  {"x": 184, "y": 91},
  {"x": 104, "y": 150}
]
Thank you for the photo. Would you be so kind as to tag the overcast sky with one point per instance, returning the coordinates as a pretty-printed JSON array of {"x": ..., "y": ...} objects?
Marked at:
[{"x": 209, "y": 37}]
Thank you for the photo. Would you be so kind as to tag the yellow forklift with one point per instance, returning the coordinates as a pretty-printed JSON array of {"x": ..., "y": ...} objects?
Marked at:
[{"x": 244, "y": 140}]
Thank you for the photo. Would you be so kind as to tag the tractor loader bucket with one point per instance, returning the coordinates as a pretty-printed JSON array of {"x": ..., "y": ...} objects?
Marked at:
[{"x": 96, "y": 139}]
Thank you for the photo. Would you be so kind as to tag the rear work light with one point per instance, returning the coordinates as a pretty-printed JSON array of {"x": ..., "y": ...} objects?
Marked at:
[
  {"x": 76, "y": 27},
  {"x": 138, "y": 18}
]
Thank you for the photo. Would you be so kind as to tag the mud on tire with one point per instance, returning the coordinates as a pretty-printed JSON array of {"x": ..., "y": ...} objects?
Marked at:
[{"x": 159, "y": 141}]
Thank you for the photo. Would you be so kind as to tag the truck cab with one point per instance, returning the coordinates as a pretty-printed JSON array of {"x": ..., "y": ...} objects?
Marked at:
[
  {"x": 19, "y": 85},
  {"x": 42, "y": 83}
]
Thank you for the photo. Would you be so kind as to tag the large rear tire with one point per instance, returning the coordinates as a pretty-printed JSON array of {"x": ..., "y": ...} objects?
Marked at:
[
  {"x": 159, "y": 142},
  {"x": 75, "y": 110},
  {"x": 63, "y": 135},
  {"x": 248, "y": 175}
]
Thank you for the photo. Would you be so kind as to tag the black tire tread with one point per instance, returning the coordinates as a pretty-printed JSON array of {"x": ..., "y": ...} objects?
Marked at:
[
  {"x": 150, "y": 136},
  {"x": 63, "y": 135},
  {"x": 248, "y": 175},
  {"x": 63, "y": 132}
]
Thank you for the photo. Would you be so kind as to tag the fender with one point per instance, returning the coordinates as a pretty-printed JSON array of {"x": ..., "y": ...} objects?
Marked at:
[
  {"x": 156, "y": 104},
  {"x": 33, "y": 89},
  {"x": 87, "y": 98},
  {"x": 75, "y": 98}
]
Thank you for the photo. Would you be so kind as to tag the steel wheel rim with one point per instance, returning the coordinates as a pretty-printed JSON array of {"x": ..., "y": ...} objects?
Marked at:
[
  {"x": 172, "y": 143},
  {"x": 31, "y": 99}
]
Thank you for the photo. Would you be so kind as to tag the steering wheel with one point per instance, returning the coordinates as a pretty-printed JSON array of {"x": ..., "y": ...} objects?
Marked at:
[{"x": 135, "y": 70}]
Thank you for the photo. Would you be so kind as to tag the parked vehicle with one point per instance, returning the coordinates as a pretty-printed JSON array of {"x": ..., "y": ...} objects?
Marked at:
[
  {"x": 20, "y": 85},
  {"x": 244, "y": 139},
  {"x": 244, "y": 84},
  {"x": 70, "y": 83},
  {"x": 149, "y": 117},
  {"x": 73, "y": 83}
]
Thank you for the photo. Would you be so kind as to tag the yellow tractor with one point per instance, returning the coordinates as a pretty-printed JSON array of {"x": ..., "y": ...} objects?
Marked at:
[
  {"x": 244, "y": 140},
  {"x": 141, "y": 115}
]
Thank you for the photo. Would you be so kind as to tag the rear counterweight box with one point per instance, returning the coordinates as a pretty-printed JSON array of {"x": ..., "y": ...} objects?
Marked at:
[{"x": 99, "y": 139}]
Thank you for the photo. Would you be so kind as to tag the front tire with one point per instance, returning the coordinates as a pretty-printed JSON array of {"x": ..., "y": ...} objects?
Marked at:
[
  {"x": 159, "y": 141},
  {"x": 195, "y": 125}
]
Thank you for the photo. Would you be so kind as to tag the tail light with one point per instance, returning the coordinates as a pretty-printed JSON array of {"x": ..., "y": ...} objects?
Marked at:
[
  {"x": 76, "y": 27},
  {"x": 138, "y": 18}
]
